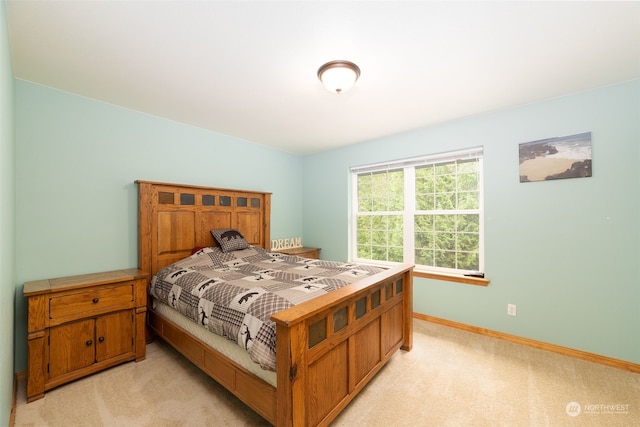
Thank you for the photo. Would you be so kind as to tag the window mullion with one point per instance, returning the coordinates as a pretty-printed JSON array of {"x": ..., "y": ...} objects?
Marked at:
[
  {"x": 353, "y": 244},
  {"x": 409, "y": 215},
  {"x": 481, "y": 212}
]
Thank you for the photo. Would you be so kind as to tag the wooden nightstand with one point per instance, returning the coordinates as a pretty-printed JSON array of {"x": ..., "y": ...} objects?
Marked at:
[
  {"x": 79, "y": 325},
  {"x": 303, "y": 252}
]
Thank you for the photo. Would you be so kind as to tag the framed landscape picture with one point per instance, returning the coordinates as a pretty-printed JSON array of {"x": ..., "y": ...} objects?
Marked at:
[{"x": 556, "y": 158}]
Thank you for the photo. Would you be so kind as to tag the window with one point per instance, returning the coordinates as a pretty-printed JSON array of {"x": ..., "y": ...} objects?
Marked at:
[{"x": 426, "y": 211}]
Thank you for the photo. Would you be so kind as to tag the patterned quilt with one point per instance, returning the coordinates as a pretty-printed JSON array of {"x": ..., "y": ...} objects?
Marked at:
[{"x": 234, "y": 294}]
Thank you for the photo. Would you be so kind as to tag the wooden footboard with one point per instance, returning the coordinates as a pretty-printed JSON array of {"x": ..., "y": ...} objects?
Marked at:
[{"x": 329, "y": 348}]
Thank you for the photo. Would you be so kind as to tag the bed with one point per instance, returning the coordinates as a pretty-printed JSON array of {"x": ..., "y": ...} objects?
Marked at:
[{"x": 327, "y": 348}]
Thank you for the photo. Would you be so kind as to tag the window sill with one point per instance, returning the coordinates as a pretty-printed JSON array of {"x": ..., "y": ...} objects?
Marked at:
[{"x": 478, "y": 281}]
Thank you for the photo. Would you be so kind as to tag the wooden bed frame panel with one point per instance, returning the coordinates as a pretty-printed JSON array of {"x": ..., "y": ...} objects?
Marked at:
[{"x": 328, "y": 348}]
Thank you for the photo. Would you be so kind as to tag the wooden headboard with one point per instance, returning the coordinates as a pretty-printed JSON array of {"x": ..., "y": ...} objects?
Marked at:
[{"x": 175, "y": 218}]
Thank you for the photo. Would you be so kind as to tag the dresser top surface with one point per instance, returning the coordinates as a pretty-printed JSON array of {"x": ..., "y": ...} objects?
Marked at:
[{"x": 44, "y": 286}]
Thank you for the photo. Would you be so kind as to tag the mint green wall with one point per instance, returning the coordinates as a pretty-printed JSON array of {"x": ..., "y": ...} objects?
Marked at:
[
  {"x": 566, "y": 252},
  {"x": 76, "y": 201},
  {"x": 7, "y": 222}
]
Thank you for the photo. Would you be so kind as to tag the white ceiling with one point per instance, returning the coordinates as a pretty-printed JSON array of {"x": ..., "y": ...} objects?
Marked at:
[{"x": 248, "y": 69}]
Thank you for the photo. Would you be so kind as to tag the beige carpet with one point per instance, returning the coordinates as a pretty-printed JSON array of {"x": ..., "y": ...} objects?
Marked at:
[{"x": 451, "y": 378}]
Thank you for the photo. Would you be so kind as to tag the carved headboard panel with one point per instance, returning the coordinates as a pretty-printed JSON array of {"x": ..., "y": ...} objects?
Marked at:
[{"x": 175, "y": 218}]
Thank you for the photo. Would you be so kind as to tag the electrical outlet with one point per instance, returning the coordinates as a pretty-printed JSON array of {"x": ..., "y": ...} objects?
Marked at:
[{"x": 511, "y": 309}]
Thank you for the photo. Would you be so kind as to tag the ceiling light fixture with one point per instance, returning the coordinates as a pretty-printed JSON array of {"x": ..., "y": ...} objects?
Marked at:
[{"x": 338, "y": 76}]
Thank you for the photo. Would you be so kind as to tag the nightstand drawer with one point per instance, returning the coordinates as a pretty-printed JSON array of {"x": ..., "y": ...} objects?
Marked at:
[{"x": 91, "y": 301}]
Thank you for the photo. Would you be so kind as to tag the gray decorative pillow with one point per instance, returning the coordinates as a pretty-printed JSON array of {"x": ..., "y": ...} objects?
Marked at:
[{"x": 229, "y": 239}]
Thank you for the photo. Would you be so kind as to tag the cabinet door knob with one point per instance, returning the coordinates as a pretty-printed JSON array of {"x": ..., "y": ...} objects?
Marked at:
[
  {"x": 95, "y": 300},
  {"x": 100, "y": 339},
  {"x": 88, "y": 343}
]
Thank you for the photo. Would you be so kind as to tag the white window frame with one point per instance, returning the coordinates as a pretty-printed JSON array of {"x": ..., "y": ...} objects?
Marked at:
[{"x": 409, "y": 212}]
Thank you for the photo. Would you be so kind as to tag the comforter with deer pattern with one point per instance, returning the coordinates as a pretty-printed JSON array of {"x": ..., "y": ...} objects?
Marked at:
[{"x": 234, "y": 294}]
